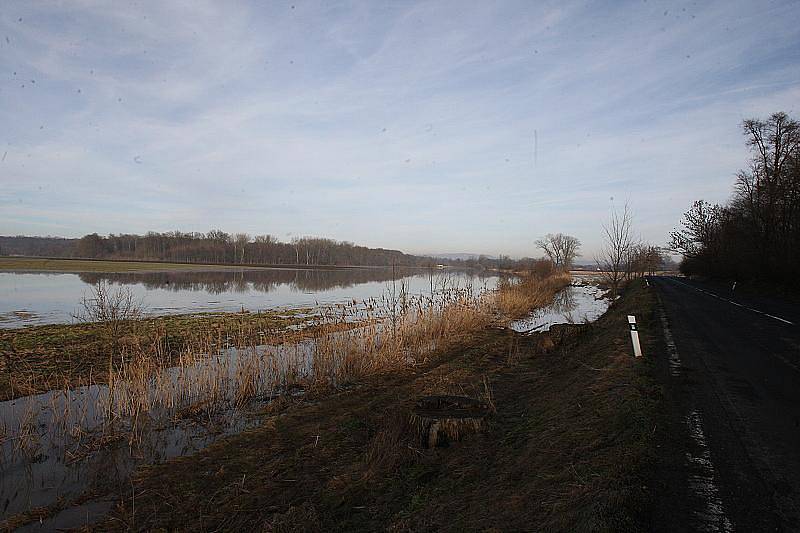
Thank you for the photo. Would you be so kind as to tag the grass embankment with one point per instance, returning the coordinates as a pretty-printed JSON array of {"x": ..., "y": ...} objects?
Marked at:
[
  {"x": 32, "y": 264},
  {"x": 41, "y": 358},
  {"x": 564, "y": 451}
]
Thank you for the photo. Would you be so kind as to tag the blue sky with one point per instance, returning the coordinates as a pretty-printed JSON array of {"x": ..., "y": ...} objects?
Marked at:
[{"x": 428, "y": 127}]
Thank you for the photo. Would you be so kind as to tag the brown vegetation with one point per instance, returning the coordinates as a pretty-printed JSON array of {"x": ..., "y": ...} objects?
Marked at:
[
  {"x": 42, "y": 358},
  {"x": 392, "y": 334},
  {"x": 147, "y": 370},
  {"x": 149, "y": 381},
  {"x": 564, "y": 451}
]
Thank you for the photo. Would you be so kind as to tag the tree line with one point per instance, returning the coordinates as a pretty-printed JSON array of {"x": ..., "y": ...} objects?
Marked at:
[
  {"x": 219, "y": 247},
  {"x": 756, "y": 235}
]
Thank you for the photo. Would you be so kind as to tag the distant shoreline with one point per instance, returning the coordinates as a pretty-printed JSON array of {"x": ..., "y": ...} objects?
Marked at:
[{"x": 69, "y": 264}]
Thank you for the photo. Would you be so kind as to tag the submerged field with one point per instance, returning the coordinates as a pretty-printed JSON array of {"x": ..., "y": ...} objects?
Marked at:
[
  {"x": 40, "y": 297},
  {"x": 42, "y": 358},
  {"x": 566, "y": 449},
  {"x": 196, "y": 379}
]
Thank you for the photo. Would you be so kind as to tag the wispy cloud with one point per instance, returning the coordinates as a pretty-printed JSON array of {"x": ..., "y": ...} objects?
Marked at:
[{"x": 397, "y": 124}]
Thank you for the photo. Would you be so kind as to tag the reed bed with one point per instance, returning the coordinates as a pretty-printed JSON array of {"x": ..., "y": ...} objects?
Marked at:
[{"x": 212, "y": 379}]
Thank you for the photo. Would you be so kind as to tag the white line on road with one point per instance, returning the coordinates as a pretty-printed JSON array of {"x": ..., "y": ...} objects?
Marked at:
[
  {"x": 702, "y": 480},
  {"x": 674, "y": 358},
  {"x": 737, "y": 304}
]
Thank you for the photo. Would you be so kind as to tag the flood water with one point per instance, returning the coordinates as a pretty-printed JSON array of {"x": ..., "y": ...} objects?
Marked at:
[
  {"x": 62, "y": 445},
  {"x": 29, "y": 299},
  {"x": 80, "y": 446},
  {"x": 62, "y": 449},
  {"x": 580, "y": 302}
]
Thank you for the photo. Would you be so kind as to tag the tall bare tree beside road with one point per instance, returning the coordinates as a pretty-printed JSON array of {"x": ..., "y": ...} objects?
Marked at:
[{"x": 614, "y": 258}]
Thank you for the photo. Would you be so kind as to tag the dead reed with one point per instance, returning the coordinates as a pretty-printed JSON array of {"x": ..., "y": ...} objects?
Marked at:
[{"x": 349, "y": 342}]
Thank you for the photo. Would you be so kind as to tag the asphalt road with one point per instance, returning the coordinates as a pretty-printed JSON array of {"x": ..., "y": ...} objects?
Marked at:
[{"x": 731, "y": 443}]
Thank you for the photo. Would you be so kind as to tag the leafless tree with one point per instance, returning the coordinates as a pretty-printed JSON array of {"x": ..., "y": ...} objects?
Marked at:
[
  {"x": 561, "y": 249},
  {"x": 643, "y": 259},
  {"x": 110, "y": 307},
  {"x": 755, "y": 235},
  {"x": 614, "y": 258},
  {"x": 653, "y": 259},
  {"x": 240, "y": 242},
  {"x": 699, "y": 229}
]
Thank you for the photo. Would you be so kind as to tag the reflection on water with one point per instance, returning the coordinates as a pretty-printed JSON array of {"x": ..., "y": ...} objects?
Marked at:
[
  {"x": 60, "y": 446},
  {"x": 83, "y": 444},
  {"x": 575, "y": 304},
  {"x": 78, "y": 448},
  {"x": 43, "y": 298},
  {"x": 218, "y": 282},
  {"x": 69, "y": 446}
]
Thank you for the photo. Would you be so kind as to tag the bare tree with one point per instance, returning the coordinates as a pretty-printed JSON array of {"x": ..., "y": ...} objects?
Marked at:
[
  {"x": 614, "y": 259},
  {"x": 240, "y": 242},
  {"x": 643, "y": 259},
  {"x": 653, "y": 259},
  {"x": 561, "y": 249},
  {"x": 699, "y": 229},
  {"x": 111, "y": 308}
]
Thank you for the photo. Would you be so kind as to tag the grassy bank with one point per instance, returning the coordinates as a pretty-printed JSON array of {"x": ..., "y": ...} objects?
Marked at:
[{"x": 565, "y": 450}]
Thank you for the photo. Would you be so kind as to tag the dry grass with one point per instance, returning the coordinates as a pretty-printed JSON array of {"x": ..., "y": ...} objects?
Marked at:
[
  {"x": 392, "y": 333},
  {"x": 562, "y": 453},
  {"x": 517, "y": 296},
  {"x": 42, "y": 358},
  {"x": 145, "y": 382}
]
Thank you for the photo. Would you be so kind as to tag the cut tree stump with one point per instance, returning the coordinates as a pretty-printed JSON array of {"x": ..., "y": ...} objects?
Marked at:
[{"x": 441, "y": 419}]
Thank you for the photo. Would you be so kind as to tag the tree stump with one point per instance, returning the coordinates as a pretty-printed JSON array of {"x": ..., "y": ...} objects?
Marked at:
[{"x": 441, "y": 419}]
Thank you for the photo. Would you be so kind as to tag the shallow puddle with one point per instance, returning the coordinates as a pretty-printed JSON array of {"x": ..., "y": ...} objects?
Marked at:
[
  {"x": 61, "y": 447},
  {"x": 80, "y": 446},
  {"x": 64, "y": 447},
  {"x": 575, "y": 304}
]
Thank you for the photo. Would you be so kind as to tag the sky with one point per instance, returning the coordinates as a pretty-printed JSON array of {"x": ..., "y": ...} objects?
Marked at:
[{"x": 429, "y": 127}]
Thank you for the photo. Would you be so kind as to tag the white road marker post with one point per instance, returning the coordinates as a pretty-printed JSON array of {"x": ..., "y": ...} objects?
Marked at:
[
  {"x": 637, "y": 349},
  {"x": 734, "y": 287}
]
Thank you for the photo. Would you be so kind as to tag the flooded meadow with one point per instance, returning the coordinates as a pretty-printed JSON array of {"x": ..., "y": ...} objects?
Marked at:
[
  {"x": 68, "y": 454},
  {"x": 36, "y": 298}
]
